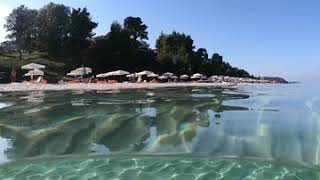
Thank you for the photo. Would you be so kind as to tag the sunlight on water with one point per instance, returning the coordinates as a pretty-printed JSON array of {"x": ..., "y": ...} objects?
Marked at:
[
  {"x": 275, "y": 123},
  {"x": 145, "y": 168}
]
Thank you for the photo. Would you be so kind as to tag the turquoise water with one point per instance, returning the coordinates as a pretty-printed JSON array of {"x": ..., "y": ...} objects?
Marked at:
[{"x": 244, "y": 132}]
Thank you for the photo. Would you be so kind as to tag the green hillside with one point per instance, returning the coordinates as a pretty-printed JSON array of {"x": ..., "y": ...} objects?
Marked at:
[{"x": 55, "y": 69}]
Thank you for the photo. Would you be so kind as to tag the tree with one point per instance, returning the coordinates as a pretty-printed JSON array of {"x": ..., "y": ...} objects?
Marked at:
[
  {"x": 21, "y": 25},
  {"x": 202, "y": 53},
  {"x": 175, "y": 51},
  {"x": 112, "y": 51},
  {"x": 216, "y": 66},
  {"x": 53, "y": 24},
  {"x": 136, "y": 28},
  {"x": 80, "y": 32},
  {"x": 118, "y": 50}
]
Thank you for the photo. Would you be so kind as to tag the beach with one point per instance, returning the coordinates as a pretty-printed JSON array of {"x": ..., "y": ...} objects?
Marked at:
[{"x": 93, "y": 86}]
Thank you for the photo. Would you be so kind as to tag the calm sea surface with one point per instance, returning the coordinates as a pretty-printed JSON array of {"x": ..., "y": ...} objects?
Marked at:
[{"x": 244, "y": 132}]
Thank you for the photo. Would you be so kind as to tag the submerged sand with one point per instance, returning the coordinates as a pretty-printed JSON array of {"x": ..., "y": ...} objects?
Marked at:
[{"x": 92, "y": 86}]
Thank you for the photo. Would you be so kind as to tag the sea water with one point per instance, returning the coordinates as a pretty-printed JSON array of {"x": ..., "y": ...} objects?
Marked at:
[{"x": 242, "y": 132}]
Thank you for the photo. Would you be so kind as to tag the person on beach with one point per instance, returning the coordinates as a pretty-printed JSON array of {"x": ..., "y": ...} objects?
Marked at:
[{"x": 13, "y": 75}]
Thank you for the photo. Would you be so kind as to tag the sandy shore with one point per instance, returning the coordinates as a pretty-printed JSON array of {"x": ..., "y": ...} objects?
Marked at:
[{"x": 60, "y": 87}]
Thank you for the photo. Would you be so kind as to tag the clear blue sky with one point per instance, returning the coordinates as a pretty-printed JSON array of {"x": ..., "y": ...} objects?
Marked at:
[{"x": 270, "y": 37}]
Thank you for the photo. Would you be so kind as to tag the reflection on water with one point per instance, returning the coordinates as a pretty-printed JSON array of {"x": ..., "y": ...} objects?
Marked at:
[
  {"x": 4, "y": 145},
  {"x": 243, "y": 122}
]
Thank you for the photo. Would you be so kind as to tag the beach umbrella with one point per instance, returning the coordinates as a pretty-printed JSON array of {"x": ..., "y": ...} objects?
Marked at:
[
  {"x": 168, "y": 74},
  {"x": 131, "y": 75},
  {"x": 75, "y": 73},
  {"x": 82, "y": 71},
  {"x": 174, "y": 77},
  {"x": 153, "y": 75},
  {"x": 35, "y": 72},
  {"x": 102, "y": 75},
  {"x": 196, "y": 76},
  {"x": 162, "y": 77},
  {"x": 184, "y": 76},
  {"x": 71, "y": 74},
  {"x": 116, "y": 73},
  {"x": 144, "y": 73},
  {"x": 33, "y": 66}
]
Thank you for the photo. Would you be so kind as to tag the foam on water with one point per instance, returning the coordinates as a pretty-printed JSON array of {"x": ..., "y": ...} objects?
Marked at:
[{"x": 4, "y": 105}]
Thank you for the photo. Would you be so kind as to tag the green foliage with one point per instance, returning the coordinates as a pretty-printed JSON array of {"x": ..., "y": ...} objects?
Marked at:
[
  {"x": 118, "y": 50},
  {"x": 80, "y": 32},
  {"x": 53, "y": 29},
  {"x": 216, "y": 66},
  {"x": 136, "y": 28},
  {"x": 21, "y": 25},
  {"x": 175, "y": 51},
  {"x": 52, "y": 25}
]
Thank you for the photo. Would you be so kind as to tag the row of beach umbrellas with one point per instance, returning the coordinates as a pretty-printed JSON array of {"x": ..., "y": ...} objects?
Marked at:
[
  {"x": 34, "y": 70},
  {"x": 165, "y": 76}
]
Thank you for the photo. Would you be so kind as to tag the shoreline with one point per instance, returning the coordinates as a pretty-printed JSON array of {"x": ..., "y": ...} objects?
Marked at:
[{"x": 18, "y": 87}]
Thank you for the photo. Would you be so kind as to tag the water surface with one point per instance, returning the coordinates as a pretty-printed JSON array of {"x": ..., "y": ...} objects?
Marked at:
[{"x": 252, "y": 132}]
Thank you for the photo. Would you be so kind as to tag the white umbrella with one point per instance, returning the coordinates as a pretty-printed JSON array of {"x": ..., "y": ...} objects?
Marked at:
[
  {"x": 102, "y": 75},
  {"x": 35, "y": 72},
  {"x": 163, "y": 77},
  {"x": 117, "y": 73},
  {"x": 196, "y": 76},
  {"x": 130, "y": 75},
  {"x": 153, "y": 75},
  {"x": 184, "y": 76},
  {"x": 74, "y": 73},
  {"x": 168, "y": 74},
  {"x": 142, "y": 73},
  {"x": 174, "y": 77},
  {"x": 33, "y": 66},
  {"x": 203, "y": 77},
  {"x": 83, "y": 70}
]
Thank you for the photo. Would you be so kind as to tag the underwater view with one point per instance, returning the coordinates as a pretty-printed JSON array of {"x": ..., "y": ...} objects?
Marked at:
[{"x": 241, "y": 132}]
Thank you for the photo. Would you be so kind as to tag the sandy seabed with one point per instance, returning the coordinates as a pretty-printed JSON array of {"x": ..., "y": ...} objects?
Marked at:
[{"x": 92, "y": 86}]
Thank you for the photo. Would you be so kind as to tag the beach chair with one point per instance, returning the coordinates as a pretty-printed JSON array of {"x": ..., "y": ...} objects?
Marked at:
[
  {"x": 112, "y": 81},
  {"x": 73, "y": 81},
  {"x": 38, "y": 80},
  {"x": 101, "y": 82}
]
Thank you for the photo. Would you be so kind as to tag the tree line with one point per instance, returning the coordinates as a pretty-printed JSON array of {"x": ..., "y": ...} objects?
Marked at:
[{"x": 67, "y": 33}]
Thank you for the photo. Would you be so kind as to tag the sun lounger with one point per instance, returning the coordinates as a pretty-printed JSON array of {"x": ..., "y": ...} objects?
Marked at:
[
  {"x": 38, "y": 79},
  {"x": 112, "y": 81},
  {"x": 73, "y": 81},
  {"x": 101, "y": 82}
]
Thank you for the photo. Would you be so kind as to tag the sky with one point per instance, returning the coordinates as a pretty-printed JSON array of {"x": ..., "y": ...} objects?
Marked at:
[{"x": 265, "y": 37}]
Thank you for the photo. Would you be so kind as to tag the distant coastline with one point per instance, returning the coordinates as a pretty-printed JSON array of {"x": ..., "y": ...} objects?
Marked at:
[{"x": 275, "y": 79}]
